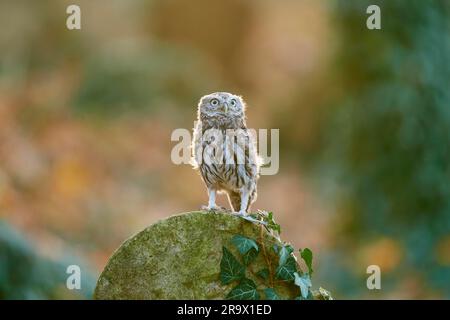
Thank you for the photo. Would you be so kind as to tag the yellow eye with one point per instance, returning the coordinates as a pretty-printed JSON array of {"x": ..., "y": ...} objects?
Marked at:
[{"x": 214, "y": 102}]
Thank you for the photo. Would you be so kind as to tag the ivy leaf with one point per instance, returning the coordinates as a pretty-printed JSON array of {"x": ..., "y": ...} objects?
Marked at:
[
  {"x": 284, "y": 254},
  {"x": 271, "y": 294},
  {"x": 264, "y": 273},
  {"x": 230, "y": 268},
  {"x": 287, "y": 270},
  {"x": 244, "y": 244},
  {"x": 271, "y": 224},
  {"x": 245, "y": 290},
  {"x": 304, "y": 282},
  {"x": 249, "y": 256},
  {"x": 307, "y": 256}
]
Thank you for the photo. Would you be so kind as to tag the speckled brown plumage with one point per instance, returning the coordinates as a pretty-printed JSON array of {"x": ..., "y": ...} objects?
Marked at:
[{"x": 225, "y": 166}]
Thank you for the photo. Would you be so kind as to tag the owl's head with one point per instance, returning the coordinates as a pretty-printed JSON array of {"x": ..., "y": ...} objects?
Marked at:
[{"x": 221, "y": 105}]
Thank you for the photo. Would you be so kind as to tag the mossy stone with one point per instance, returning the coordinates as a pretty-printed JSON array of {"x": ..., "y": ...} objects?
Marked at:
[{"x": 179, "y": 258}]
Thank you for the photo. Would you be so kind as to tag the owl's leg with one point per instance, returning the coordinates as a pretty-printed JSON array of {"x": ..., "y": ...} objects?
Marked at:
[
  {"x": 212, "y": 198},
  {"x": 244, "y": 202},
  {"x": 212, "y": 201}
]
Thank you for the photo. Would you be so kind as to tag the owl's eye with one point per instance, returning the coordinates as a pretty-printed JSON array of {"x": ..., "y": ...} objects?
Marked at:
[
  {"x": 233, "y": 102},
  {"x": 214, "y": 102}
]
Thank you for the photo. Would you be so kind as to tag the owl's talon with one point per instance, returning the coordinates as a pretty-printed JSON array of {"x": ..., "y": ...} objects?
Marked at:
[{"x": 214, "y": 209}]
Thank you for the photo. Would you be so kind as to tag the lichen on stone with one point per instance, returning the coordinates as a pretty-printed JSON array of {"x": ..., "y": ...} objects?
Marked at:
[{"x": 179, "y": 258}]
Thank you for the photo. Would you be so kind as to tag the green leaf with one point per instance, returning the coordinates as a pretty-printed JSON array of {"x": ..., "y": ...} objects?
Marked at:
[
  {"x": 287, "y": 270},
  {"x": 307, "y": 256},
  {"x": 304, "y": 282},
  {"x": 245, "y": 290},
  {"x": 271, "y": 224},
  {"x": 244, "y": 244},
  {"x": 230, "y": 268},
  {"x": 284, "y": 254},
  {"x": 271, "y": 294},
  {"x": 249, "y": 256}
]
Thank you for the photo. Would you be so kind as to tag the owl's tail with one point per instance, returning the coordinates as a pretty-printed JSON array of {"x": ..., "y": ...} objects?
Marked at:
[{"x": 235, "y": 200}]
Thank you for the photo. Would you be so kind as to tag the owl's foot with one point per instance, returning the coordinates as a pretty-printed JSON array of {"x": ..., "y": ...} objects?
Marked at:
[{"x": 213, "y": 208}]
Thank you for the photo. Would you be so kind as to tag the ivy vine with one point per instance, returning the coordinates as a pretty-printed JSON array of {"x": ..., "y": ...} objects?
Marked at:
[{"x": 261, "y": 284}]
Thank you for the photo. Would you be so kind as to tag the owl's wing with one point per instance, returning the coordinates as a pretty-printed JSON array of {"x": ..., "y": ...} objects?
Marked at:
[
  {"x": 253, "y": 155},
  {"x": 196, "y": 148}
]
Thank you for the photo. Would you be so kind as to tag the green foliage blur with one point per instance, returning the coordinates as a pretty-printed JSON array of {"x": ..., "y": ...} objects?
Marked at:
[
  {"x": 388, "y": 141},
  {"x": 25, "y": 275},
  {"x": 364, "y": 116}
]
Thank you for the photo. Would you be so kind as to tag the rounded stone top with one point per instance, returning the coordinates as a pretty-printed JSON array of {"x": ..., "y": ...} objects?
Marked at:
[{"x": 179, "y": 258}]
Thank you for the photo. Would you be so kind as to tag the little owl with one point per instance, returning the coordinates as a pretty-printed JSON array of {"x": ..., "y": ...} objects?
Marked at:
[{"x": 224, "y": 151}]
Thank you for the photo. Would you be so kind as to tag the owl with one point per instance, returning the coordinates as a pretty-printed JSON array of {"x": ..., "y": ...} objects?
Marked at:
[{"x": 224, "y": 151}]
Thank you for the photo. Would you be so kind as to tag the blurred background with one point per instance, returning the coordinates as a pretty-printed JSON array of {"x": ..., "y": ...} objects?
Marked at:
[{"x": 364, "y": 119}]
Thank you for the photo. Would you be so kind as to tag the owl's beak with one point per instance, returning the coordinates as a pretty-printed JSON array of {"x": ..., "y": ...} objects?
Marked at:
[{"x": 225, "y": 107}]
